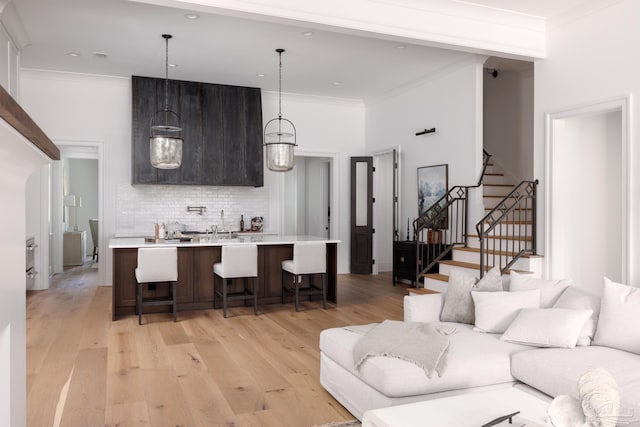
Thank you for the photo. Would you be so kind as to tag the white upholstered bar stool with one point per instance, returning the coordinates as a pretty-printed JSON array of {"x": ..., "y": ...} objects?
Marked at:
[
  {"x": 309, "y": 259},
  {"x": 156, "y": 265},
  {"x": 237, "y": 262}
]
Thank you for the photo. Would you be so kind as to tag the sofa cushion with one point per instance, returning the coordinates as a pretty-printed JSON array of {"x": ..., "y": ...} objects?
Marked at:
[
  {"x": 470, "y": 353},
  {"x": 547, "y": 327},
  {"x": 496, "y": 310},
  {"x": 556, "y": 371},
  {"x": 577, "y": 299},
  {"x": 619, "y": 317},
  {"x": 458, "y": 304},
  {"x": 550, "y": 290}
]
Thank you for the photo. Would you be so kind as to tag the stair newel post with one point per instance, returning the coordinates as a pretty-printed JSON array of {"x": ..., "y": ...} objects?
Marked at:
[
  {"x": 534, "y": 216},
  {"x": 466, "y": 215}
]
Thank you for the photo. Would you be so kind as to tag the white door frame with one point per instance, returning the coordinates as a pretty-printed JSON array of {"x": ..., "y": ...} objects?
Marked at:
[
  {"x": 78, "y": 150},
  {"x": 334, "y": 168},
  {"x": 620, "y": 104}
]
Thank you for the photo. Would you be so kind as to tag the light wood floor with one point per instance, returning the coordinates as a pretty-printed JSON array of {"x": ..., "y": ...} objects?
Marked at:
[{"x": 85, "y": 370}]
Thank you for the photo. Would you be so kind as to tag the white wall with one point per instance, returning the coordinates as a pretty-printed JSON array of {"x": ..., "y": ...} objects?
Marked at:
[
  {"x": 450, "y": 101},
  {"x": 325, "y": 127},
  {"x": 591, "y": 59},
  {"x": 508, "y": 121},
  {"x": 587, "y": 200},
  {"x": 97, "y": 109},
  {"x": 86, "y": 109},
  {"x": 83, "y": 182},
  {"x": 21, "y": 160}
]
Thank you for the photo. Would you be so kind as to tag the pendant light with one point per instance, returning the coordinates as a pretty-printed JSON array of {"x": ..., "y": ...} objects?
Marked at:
[
  {"x": 165, "y": 142},
  {"x": 280, "y": 134}
]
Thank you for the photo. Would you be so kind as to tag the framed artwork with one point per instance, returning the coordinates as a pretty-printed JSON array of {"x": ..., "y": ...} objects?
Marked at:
[{"x": 433, "y": 183}]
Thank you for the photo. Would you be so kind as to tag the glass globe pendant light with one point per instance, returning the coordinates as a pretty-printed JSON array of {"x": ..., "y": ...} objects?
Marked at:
[
  {"x": 279, "y": 134},
  {"x": 165, "y": 142}
]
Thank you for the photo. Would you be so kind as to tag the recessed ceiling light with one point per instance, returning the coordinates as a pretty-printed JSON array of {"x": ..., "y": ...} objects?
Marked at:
[
  {"x": 259, "y": 75},
  {"x": 192, "y": 16},
  {"x": 73, "y": 54},
  {"x": 400, "y": 46},
  {"x": 173, "y": 65},
  {"x": 337, "y": 83},
  {"x": 307, "y": 33}
]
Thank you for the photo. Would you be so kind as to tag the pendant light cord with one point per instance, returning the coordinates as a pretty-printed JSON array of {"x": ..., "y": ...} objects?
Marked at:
[
  {"x": 280, "y": 83},
  {"x": 166, "y": 72}
]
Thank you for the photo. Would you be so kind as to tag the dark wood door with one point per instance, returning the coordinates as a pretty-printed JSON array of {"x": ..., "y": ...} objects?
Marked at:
[{"x": 361, "y": 215}]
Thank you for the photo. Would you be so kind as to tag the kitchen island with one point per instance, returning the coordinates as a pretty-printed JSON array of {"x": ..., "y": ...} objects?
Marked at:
[{"x": 195, "y": 270}]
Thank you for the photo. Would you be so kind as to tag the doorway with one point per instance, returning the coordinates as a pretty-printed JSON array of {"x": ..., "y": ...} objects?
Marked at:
[
  {"x": 588, "y": 194},
  {"x": 77, "y": 187},
  {"x": 308, "y": 197},
  {"x": 385, "y": 209}
]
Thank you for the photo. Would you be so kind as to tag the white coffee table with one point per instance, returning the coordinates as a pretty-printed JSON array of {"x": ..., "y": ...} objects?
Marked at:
[{"x": 466, "y": 410}]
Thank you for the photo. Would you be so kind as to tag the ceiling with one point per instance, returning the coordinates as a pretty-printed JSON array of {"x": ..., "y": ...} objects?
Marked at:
[{"x": 230, "y": 50}]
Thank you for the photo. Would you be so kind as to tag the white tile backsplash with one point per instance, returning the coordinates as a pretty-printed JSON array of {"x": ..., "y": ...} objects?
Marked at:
[{"x": 139, "y": 207}]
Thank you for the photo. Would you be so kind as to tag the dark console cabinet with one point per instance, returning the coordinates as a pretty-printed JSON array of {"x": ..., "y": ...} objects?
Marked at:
[{"x": 404, "y": 259}]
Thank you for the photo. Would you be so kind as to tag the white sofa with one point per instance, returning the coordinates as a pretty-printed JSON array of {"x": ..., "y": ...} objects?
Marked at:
[{"x": 476, "y": 361}]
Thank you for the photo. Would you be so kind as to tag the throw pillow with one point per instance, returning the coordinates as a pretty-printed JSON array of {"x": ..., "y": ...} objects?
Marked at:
[
  {"x": 619, "y": 318},
  {"x": 496, "y": 310},
  {"x": 577, "y": 299},
  {"x": 547, "y": 327},
  {"x": 458, "y": 305},
  {"x": 550, "y": 290}
]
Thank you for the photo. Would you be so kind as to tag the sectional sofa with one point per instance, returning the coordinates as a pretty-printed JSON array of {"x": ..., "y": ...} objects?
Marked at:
[{"x": 542, "y": 333}]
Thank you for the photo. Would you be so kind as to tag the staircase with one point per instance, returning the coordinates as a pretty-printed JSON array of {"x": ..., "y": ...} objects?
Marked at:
[{"x": 509, "y": 228}]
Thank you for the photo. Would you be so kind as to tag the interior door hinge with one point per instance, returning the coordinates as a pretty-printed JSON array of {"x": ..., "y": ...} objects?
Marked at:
[
  {"x": 373, "y": 261},
  {"x": 395, "y": 199},
  {"x": 373, "y": 231},
  {"x": 373, "y": 169},
  {"x": 395, "y": 165},
  {"x": 373, "y": 200}
]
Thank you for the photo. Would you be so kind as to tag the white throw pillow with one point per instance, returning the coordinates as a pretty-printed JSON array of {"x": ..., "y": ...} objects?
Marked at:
[
  {"x": 577, "y": 299},
  {"x": 547, "y": 327},
  {"x": 550, "y": 290},
  {"x": 619, "y": 318},
  {"x": 496, "y": 310},
  {"x": 458, "y": 305}
]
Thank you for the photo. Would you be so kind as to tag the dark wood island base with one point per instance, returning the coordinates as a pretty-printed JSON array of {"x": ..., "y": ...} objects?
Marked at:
[{"x": 195, "y": 277}]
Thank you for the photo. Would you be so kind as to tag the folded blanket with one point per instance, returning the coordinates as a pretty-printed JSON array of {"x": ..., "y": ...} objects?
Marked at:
[{"x": 424, "y": 344}]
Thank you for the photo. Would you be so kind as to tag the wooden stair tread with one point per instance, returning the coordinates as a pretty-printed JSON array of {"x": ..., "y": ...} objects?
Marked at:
[
  {"x": 473, "y": 266},
  {"x": 494, "y": 252},
  {"x": 436, "y": 276},
  {"x": 493, "y": 174},
  {"x": 523, "y": 222},
  {"x": 523, "y": 238},
  {"x": 514, "y": 209},
  {"x": 497, "y": 185}
]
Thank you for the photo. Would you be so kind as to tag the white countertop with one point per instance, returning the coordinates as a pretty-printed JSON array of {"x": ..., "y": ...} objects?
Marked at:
[{"x": 139, "y": 242}]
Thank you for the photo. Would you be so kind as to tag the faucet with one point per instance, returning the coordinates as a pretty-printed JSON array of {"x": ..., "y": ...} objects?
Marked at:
[{"x": 222, "y": 218}]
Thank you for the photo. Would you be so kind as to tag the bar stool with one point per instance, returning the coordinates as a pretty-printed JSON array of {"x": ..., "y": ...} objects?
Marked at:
[
  {"x": 237, "y": 262},
  {"x": 156, "y": 265},
  {"x": 308, "y": 259}
]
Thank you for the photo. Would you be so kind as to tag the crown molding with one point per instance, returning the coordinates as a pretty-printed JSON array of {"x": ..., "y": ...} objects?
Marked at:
[
  {"x": 438, "y": 23},
  {"x": 12, "y": 23}
]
